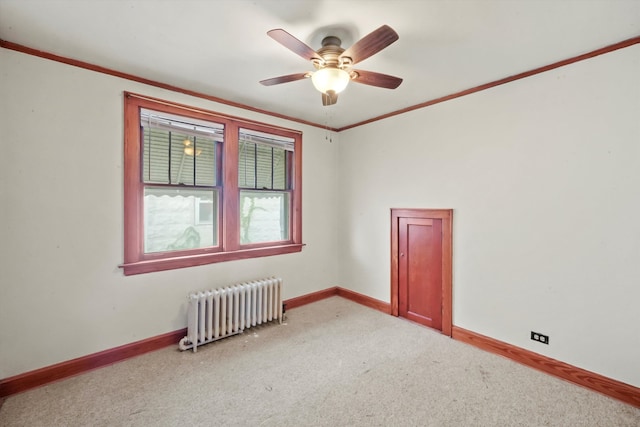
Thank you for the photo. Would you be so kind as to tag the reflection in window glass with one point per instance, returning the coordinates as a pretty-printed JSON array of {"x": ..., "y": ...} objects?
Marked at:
[
  {"x": 264, "y": 216},
  {"x": 175, "y": 220}
]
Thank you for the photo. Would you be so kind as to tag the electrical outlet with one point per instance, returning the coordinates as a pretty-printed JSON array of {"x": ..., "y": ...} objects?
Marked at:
[{"x": 536, "y": 336}]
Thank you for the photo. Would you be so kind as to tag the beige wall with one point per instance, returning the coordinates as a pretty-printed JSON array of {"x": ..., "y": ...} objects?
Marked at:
[
  {"x": 62, "y": 294},
  {"x": 543, "y": 175}
]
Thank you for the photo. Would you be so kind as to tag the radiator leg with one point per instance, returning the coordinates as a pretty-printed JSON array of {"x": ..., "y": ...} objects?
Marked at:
[{"x": 182, "y": 345}]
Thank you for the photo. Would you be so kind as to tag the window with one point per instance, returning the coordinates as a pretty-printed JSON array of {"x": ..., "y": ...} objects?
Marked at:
[
  {"x": 263, "y": 182},
  {"x": 202, "y": 187}
]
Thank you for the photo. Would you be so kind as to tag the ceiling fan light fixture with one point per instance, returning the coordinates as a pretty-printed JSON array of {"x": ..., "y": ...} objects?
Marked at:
[
  {"x": 189, "y": 150},
  {"x": 330, "y": 79}
]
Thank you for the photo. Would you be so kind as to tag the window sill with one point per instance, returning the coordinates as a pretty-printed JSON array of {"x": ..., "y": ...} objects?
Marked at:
[{"x": 150, "y": 266}]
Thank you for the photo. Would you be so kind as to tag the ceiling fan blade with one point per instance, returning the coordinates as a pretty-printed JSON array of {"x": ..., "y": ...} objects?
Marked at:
[
  {"x": 376, "y": 79},
  {"x": 329, "y": 98},
  {"x": 284, "y": 79},
  {"x": 371, "y": 44},
  {"x": 293, "y": 44}
]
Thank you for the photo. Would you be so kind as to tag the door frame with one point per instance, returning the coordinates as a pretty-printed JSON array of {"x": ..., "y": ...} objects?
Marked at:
[{"x": 446, "y": 215}]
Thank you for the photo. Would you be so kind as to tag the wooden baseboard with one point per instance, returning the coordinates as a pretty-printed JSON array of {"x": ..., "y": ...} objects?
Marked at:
[
  {"x": 309, "y": 298},
  {"x": 364, "y": 300},
  {"x": 341, "y": 292},
  {"x": 612, "y": 388},
  {"x": 48, "y": 374}
]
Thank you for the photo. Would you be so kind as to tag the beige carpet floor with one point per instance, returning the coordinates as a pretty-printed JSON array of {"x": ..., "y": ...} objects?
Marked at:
[{"x": 332, "y": 363}]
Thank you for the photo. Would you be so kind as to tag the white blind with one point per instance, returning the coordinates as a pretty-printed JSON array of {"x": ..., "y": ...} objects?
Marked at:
[
  {"x": 191, "y": 127},
  {"x": 178, "y": 150},
  {"x": 267, "y": 139},
  {"x": 262, "y": 161}
]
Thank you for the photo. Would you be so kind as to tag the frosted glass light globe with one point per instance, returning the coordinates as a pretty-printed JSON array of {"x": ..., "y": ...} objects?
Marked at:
[{"x": 327, "y": 79}]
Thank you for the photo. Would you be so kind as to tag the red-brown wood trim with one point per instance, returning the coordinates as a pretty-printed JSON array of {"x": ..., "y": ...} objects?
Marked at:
[
  {"x": 154, "y": 265},
  {"x": 365, "y": 300},
  {"x": 612, "y": 388},
  {"x": 231, "y": 194},
  {"x": 132, "y": 189},
  {"x": 111, "y": 72},
  {"x": 135, "y": 260},
  {"x": 59, "y": 371},
  {"x": 446, "y": 215},
  {"x": 81, "y": 64},
  {"x": 178, "y": 108},
  {"x": 38, "y": 377},
  {"x": 341, "y": 292},
  {"x": 309, "y": 298},
  {"x": 578, "y": 58},
  {"x": 296, "y": 175},
  {"x": 607, "y": 386}
]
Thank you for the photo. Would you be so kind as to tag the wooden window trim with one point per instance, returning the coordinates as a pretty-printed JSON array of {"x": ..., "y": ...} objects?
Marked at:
[{"x": 135, "y": 260}]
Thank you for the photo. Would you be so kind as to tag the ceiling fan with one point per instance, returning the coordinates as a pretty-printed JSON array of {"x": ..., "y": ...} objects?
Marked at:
[{"x": 333, "y": 63}]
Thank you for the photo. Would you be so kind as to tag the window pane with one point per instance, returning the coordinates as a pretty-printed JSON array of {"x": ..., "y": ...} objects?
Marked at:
[
  {"x": 205, "y": 161},
  {"x": 246, "y": 164},
  {"x": 178, "y": 219},
  {"x": 262, "y": 160},
  {"x": 279, "y": 169},
  {"x": 261, "y": 167},
  {"x": 156, "y": 156},
  {"x": 264, "y": 216},
  {"x": 181, "y": 161},
  {"x": 177, "y": 151}
]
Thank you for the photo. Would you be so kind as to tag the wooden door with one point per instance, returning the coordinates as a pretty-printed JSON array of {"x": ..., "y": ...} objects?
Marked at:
[
  {"x": 420, "y": 271},
  {"x": 421, "y": 267}
]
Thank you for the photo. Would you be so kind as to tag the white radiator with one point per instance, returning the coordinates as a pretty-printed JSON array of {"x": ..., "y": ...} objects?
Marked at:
[{"x": 220, "y": 313}]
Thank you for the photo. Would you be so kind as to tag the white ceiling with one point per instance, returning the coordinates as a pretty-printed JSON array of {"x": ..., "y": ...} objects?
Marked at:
[{"x": 220, "y": 47}]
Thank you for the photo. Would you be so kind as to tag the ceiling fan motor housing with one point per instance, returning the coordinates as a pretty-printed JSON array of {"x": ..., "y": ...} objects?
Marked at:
[{"x": 330, "y": 53}]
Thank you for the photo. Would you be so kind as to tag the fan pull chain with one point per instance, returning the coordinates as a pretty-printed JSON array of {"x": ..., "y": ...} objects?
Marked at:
[{"x": 328, "y": 136}]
